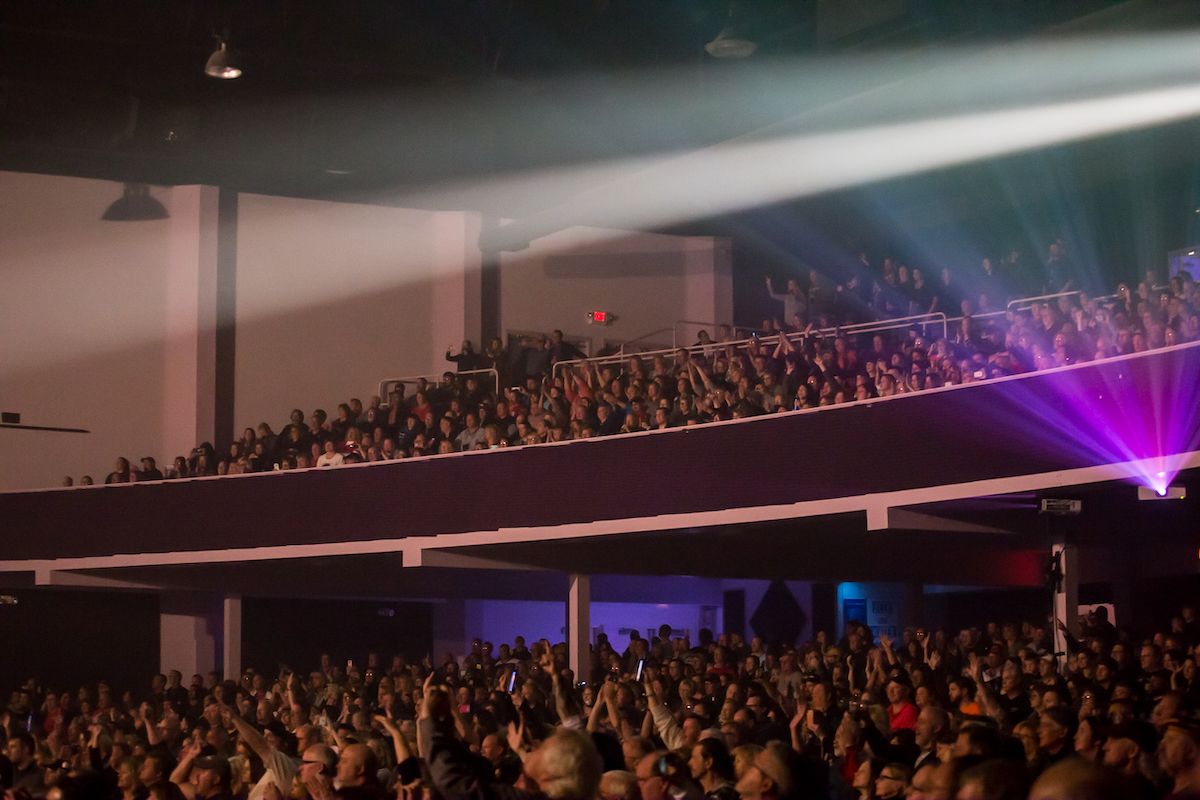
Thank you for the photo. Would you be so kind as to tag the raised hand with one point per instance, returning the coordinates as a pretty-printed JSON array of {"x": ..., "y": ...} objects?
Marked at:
[
  {"x": 387, "y": 722},
  {"x": 516, "y": 736},
  {"x": 192, "y": 750},
  {"x": 976, "y": 666},
  {"x": 799, "y": 716}
]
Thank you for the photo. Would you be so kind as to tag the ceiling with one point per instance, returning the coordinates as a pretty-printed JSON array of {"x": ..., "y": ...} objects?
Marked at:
[{"x": 346, "y": 98}]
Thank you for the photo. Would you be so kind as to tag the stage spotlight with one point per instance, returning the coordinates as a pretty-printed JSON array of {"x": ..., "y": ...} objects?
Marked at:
[
  {"x": 731, "y": 42},
  {"x": 223, "y": 63},
  {"x": 1162, "y": 493}
]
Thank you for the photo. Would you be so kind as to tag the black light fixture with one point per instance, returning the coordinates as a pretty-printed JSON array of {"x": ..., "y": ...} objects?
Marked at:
[
  {"x": 223, "y": 63},
  {"x": 732, "y": 41},
  {"x": 135, "y": 205}
]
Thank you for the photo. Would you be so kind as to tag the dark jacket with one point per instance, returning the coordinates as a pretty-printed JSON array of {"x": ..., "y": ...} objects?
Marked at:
[{"x": 458, "y": 774}]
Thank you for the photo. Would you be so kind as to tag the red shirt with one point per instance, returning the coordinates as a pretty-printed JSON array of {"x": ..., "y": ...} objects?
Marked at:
[{"x": 905, "y": 718}]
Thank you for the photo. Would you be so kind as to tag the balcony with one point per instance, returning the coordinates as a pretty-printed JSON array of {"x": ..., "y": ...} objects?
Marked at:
[{"x": 900, "y": 462}]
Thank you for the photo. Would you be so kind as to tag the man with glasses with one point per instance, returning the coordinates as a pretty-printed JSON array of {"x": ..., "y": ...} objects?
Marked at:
[
  {"x": 318, "y": 765},
  {"x": 892, "y": 782},
  {"x": 662, "y": 775}
]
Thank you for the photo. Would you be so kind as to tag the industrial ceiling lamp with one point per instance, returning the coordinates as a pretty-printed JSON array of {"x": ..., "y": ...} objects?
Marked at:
[
  {"x": 223, "y": 63},
  {"x": 135, "y": 205},
  {"x": 731, "y": 42}
]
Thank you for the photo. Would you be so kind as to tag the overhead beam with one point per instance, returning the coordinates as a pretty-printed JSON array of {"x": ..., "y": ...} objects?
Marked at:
[
  {"x": 906, "y": 519},
  {"x": 440, "y": 558},
  {"x": 65, "y": 578}
]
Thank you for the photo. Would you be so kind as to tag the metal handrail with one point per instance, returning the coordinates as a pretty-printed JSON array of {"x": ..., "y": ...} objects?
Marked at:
[
  {"x": 386, "y": 384},
  {"x": 714, "y": 325},
  {"x": 936, "y": 317},
  {"x": 897, "y": 322},
  {"x": 1025, "y": 303},
  {"x": 644, "y": 336},
  {"x": 1038, "y": 298},
  {"x": 984, "y": 315}
]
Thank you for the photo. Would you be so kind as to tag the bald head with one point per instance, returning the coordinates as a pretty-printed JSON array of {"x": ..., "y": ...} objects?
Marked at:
[
  {"x": 357, "y": 766},
  {"x": 1077, "y": 779}
]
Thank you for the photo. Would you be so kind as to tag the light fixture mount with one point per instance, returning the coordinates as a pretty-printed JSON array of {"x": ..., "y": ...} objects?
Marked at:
[
  {"x": 223, "y": 64},
  {"x": 135, "y": 205}
]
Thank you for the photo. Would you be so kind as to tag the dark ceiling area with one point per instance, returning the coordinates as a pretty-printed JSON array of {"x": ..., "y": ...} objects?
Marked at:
[
  {"x": 373, "y": 99},
  {"x": 115, "y": 89}
]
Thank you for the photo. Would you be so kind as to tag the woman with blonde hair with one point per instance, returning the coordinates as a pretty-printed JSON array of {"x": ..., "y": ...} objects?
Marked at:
[{"x": 743, "y": 758}]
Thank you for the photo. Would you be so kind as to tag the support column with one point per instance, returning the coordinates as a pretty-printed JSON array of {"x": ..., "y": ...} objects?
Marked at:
[
  {"x": 190, "y": 376},
  {"x": 225, "y": 323},
  {"x": 200, "y": 311},
  {"x": 189, "y": 628},
  {"x": 579, "y": 626},
  {"x": 457, "y": 285},
  {"x": 1066, "y": 591},
  {"x": 232, "y": 636}
]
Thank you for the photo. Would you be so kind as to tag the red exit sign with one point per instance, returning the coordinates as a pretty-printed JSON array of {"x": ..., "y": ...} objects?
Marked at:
[{"x": 600, "y": 317}]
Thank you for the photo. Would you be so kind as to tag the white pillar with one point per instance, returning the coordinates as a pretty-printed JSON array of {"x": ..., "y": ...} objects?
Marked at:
[
  {"x": 1066, "y": 594},
  {"x": 579, "y": 625},
  {"x": 191, "y": 313},
  {"x": 188, "y": 628},
  {"x": 232, "y": 637},
  {"x": 456, "y": 285}
]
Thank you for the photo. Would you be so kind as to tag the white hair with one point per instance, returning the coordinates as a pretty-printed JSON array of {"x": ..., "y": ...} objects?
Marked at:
[{"x": 570, "y": 766}]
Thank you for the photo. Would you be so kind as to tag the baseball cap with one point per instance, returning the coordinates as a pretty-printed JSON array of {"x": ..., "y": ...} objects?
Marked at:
[{"x": 216, "y": 763}]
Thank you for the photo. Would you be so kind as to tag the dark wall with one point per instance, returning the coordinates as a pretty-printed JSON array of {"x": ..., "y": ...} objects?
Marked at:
[
  {"x": 1155, "y": 602},
  {"x": 957, "y": 610},
  {"x": 70, "y": 638},
  {"x": 296, "y": 632}
]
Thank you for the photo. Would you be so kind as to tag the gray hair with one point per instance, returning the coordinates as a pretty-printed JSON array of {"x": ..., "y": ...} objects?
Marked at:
[
  {"x": 619, "y": 783},
  {"x": 570, "y": 766}
]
